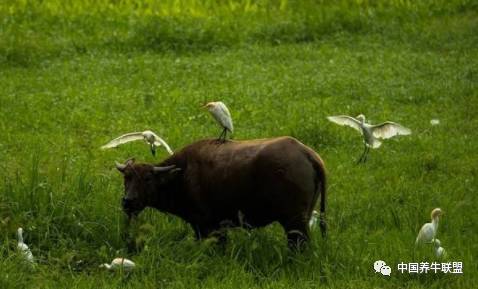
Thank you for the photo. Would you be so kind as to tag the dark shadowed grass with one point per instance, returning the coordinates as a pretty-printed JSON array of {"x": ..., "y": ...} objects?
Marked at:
[{"x": 72, "y": 78}]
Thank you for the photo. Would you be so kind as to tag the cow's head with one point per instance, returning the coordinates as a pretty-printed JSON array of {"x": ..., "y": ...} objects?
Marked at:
[{"x": 143, "y": 183}]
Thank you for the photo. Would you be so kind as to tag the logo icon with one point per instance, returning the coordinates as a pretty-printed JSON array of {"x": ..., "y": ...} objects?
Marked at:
[
  {"x": 386, "y": 270},
  {"x": 381, "y": 267}
]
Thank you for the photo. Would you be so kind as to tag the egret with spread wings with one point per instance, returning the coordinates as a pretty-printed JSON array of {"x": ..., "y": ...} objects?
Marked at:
[
  {"x": 371, "y": 133},
  {"x": 147, "y": 136}
]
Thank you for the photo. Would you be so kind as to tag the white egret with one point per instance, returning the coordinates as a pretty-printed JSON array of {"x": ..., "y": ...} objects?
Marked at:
[
  {"x": 371, "y": 133},
  {"x": 119, "y": 264},
  {"x": 313, "y": 219},
  {"x": 439, "y": 250},
  {"x": 221, "y": 114},
  {"x": 148, "y": 136},
  {"x": 435, "y": 122},
  {"x": 428, "y": 231},
  {"x": 23, "y": 248}
]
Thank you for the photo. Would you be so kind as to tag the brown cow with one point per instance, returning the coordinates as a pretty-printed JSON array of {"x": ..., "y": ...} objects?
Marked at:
[{"x": 211, "y": 184}]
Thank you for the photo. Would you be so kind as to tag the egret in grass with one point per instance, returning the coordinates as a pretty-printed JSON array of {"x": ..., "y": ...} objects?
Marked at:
[
  {"x": 435, "y": 122},
  {"x": 439, "y": 250},
  {"x": 23, "y": 248},
  {"x": 119, "y": 264},
  {"x": 221, "y": 114},
  {"x": 428, "y": 231},
  {"x": 371, "y": 133},
  {"x": 313, "y": 219},
  {"x": 148, "y": 136}
]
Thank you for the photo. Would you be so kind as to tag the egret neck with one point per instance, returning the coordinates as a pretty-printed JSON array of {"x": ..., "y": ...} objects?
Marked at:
[
  {"x": 435, "y": 223},
  {"x": 20, "y": 235}
]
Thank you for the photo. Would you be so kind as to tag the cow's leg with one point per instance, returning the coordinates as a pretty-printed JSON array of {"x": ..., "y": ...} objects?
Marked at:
[
  {"x": 201, "y": 232},
  {"x": 127, "y": 234},
  {"x": 197, "y": 232},
  {"x": 221, "y": 236},
  {"x": 297, "y": 233},
  {"x": 296, "y": 239}
]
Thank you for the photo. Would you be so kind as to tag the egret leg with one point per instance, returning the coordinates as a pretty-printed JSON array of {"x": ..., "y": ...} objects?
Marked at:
[
  {"x": 225, "y": 135},
  {"x": 363, "y": 155},
  {"x": 367, "y": 150},
  {"x": 222, "y": 136}
]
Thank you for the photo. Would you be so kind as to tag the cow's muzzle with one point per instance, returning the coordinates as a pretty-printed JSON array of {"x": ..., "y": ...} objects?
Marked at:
[{"x": 130, "y": 207}]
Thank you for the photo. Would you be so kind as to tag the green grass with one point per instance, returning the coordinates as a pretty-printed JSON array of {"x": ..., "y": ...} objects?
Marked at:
[{"x": 73, "y": 76}]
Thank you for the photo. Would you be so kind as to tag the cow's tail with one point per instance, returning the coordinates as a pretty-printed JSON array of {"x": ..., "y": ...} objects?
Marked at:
[
  {"x": 323, "y": 198},
  {"x": 321, "y": 189}
]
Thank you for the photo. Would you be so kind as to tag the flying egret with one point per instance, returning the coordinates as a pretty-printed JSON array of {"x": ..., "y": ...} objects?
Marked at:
[
  {"x": 313, "y": 219},
  {"x": 222, "y": 115},
  {"x": 148, "y": 136},
  {"x": 439, "y": 250},
  {"x": 371, "y": 133},
  {"x": 118, "y": 264},
  {"x": 23, "y": 248},
  {"x": 428, "y": 231}
]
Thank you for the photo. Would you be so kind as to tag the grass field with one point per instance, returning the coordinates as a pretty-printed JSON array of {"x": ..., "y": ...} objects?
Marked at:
[{"x": 73, "y": 75}]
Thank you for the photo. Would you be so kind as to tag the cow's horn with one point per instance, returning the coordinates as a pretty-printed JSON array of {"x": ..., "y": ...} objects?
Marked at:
[
  {"x": 163, "y": 169},
  {"x": 120, "y": 167}
]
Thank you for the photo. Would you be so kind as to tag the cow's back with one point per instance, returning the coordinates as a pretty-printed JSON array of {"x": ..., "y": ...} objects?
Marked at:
[{"x": 266, "y": 180}]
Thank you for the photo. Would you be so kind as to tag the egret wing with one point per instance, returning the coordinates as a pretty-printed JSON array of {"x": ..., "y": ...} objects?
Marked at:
[
  {"x": 161, "y": 142},
  {"x": 346, "y": 120},
  {"x": 426, "y": 234},
  {"x": 226, "y": 118},
  {"x": 376, "y": 143},
  {"x": 129, "y": 137},
  {"x": 389, "y": 129}
]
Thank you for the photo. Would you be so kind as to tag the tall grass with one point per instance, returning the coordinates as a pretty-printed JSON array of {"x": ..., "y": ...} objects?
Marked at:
[{"x": 32, "y": 30}]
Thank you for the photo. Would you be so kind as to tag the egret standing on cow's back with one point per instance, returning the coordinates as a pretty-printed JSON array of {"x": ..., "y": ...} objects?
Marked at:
[
  {"x": 222, "y": 115},
  {"x": 371, "y": 133}
]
